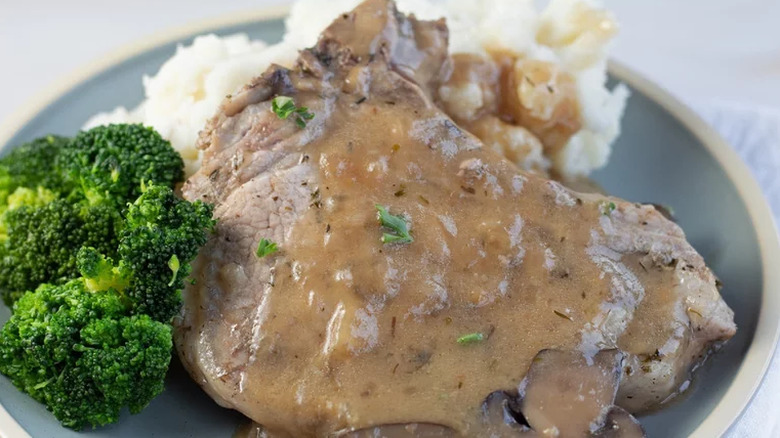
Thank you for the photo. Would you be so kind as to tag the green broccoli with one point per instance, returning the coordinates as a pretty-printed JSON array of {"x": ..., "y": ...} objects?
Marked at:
[
  {"x": 57, "y": 195},
  {"x": 161, "y": 235},
  {"x": 83, "y": 355},
  {"x": 89, "y": 346},
  {"x": 94, "y": 256},
  {"x": 29, "y": 175},
  {"x": 40, "y": 243},
  {"x": 23, "y": 197},
  {"x": 100, "y": 272},
  {"x": 115, "y": 161},
  {"x": 33, "y": 164}
]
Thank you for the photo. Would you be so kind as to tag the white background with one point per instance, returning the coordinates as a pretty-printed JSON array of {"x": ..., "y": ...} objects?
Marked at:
[{"x": 701, "y": 50}]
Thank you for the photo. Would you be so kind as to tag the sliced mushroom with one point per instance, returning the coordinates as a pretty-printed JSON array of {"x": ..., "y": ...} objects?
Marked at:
[
  {"x": 408, "y": 430},
  {"x": 564, "y": 394},
  {"x": 501, "y": 417},
  {"x": 620, "y": 424},
  {"x": 567, "y": 394}
]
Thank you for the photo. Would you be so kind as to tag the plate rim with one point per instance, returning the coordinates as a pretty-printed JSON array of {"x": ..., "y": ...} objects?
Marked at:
[
  {"x": 751, "y": 373},
  {"x": 757, "y": 358}
]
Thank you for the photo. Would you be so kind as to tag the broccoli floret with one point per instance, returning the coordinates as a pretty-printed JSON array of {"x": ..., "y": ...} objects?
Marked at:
[
  {"x": 41, "y": 243},
  {"x": 89, "y": 346},
  {"x": 29, "y": 175},
  {"x": 161, "y": 235},
  {"x": 103, "y": 245},
  {"x": 113, "y": 162},
  {"x": 100, "y": 272},
  {"x": 33, "y": 164},
  {"x": 23, "y": 197},
  {"x": 83, "y": 355},
  {"x": 57, "y": 195}
]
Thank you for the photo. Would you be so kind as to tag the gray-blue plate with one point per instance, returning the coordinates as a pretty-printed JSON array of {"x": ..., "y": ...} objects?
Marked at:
[{"x": 665, "y": 155}]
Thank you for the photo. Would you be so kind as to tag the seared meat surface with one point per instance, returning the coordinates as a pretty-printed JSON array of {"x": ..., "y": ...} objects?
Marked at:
[{"x": 338, "y": 331}]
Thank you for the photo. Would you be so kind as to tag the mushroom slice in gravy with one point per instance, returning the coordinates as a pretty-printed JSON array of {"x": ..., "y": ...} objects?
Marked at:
[
  {"x": 620, "y": 424},
  {"x": 564, "y": 394},
  {"x": 568, "y": 394},
  {"x": 502, "y": 417}
]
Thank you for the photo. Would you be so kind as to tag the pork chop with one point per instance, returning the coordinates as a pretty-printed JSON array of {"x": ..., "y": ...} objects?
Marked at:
[{"x": 338, "y": 331}]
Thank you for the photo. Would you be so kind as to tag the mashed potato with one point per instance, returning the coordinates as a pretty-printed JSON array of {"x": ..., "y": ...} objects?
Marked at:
[{"x": 572, "y": 35}]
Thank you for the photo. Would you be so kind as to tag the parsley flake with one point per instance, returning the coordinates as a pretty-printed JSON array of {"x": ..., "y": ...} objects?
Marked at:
[
  {"x": 607, "y": 208},
  {"x": 266, "y": 247},
  {"x": 399, "y": 228},
  {"x": 284, "y": 107},
  {"x": 471, "y": 338}
]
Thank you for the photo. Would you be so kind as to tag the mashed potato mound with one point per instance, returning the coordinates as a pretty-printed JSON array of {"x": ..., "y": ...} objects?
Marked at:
[{"x": 572, "y": 35}]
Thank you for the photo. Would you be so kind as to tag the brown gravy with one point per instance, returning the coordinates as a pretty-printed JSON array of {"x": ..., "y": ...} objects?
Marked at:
[
  {"x": 367, "y": 332},
  {"x": 348, "y": 332},
  {"x": 361, "y": 333}
]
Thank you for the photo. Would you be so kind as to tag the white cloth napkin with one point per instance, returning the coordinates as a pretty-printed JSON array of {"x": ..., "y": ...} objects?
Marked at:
[{"x": 755, "y": 135}]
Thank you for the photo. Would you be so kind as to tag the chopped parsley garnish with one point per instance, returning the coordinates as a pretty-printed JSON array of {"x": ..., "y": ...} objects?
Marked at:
[
  {"x": 265, "y": 247},
  {"x": 471, "y": 338},
  {"x": 607, "y": 208},
  {"x": 284, "y": 107},
  {"x": 397, "y": 225}
]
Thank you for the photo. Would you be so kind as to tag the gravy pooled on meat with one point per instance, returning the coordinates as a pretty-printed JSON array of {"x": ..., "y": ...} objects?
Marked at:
[{"x": 337, "y": 331}]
